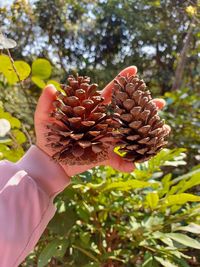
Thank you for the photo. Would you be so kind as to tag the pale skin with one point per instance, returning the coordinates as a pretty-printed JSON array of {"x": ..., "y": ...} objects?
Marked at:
[{"x": 44, "y": 108}]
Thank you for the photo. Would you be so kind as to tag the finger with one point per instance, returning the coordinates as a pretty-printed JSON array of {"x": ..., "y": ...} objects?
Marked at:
[
  {"x": 160, "y": 103},
  {"x": 107, "y": 91},
  {"x": 44, "y": 105},
  {"x": 118, "y": 163}
]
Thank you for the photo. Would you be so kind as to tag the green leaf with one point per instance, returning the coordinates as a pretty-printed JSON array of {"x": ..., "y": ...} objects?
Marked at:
[
  {"x": 86, "y": 252},
  {"x": 38, "y": 81},
  {"x": 19, "y": 136},
  {"x": 149, "y": 261},
  {"x": 186, "y": 176},
  {"x": 184, "y": 185},
  {"x": 192, "y": 228},
  {"x": 23, "y": 69},
  {"x": 152, "y": 199},
  {"x": 85, "y": 238},
  {"x": 181, "y": 262},
  {"x": 167, "y": 157},
  {"x": 184, "y": 240},
  {"x": 5, "y": 63},
  {"x": 15, "y": 123},
  {"x": 155, "y": 3},
  {"x": 63, "y": 222},
  {"x": 165, "y": 262},
  {"x": 56, "y": 84},
  {"x": 165, "y": 184},
  {"x": 127, "y": 185},
  {"x": 163, "y": 238},
  {"x": 5, "y": 140},
  {"x": 83, "y": 213},
  {"x": 180, "y": 199},
  {"x": 14, "y": 154},
  {"x": 86, "y": 176},
  {"x": 56, "y": 248},
  {"x": 41, "y": 68},
  {"x": 91, "y": 265}
]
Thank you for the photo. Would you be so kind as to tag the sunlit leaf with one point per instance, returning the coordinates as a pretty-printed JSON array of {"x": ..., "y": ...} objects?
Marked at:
[
  {"x": 38, "y": 81},
  {"x": 163, "y": 238},
  {"x": 165, "y": 262},
  {"x": 155, "y": 3},
  {"x": 152, "y": 199},
  {"x": 19, "y": 136},
  {"x": 149, "y": 261},
  {"x": 127, "y": 185},
  {"x": 14, "y": 122},
  {"x": 5, "y": 63},
  {"x": 5, "y": 140},
  {"x": 14, "y": 154},
  {"x": 56, "y": 84},
  {"x": 21, "y": 67},
  {"x": 184, "y": 240},
  {"x": 41, "y": 68},
  {"x": 187, "y": 181},
  {"x": 192, "y": 228},
  {"x": 180, "y": 199},
  {"x": 191, "y": 10}
]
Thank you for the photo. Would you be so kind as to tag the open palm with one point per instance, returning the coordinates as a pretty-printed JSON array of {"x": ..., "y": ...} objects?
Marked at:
[{"x": 42, "y": 118}]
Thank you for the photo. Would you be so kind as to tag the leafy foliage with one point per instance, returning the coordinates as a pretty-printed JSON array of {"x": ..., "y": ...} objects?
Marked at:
[
  {"x": 11, "y": 138},
  {"x": 10, "y": 73},
  {"x": 121, "y": 219},
  {"x": 183, "y": 115}
]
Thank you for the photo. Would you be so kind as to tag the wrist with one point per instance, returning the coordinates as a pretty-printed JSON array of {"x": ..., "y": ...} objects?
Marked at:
[{"x": 49, "y": 175}]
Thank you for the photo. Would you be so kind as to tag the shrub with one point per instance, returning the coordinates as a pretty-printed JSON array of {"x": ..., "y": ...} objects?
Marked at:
[{"x": 106, "y": 218}]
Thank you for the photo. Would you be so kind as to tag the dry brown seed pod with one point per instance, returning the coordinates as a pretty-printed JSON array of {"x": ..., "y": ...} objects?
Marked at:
[
  {"x": 80, "y": 124},
  {"x": 142, "y": 133}
]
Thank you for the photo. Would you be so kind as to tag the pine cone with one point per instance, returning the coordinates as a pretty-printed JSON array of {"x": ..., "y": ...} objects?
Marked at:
[
  {"x": 141, "y": 133},
  {"x": 78, "y": 134}
]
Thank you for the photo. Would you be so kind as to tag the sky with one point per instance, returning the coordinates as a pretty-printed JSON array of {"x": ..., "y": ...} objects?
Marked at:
[
  {"x": 9, "y": 2},
  {"x": 5, "y": 2}
]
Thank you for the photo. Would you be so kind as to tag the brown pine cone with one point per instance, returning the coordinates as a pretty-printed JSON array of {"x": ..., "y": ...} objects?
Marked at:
[
  {"x": 142, "y": 133},
  {"x": 78, "y": 134}
]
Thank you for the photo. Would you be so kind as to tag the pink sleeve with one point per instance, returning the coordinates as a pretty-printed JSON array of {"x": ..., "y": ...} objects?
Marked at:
[{"x": 27, "y": 190}]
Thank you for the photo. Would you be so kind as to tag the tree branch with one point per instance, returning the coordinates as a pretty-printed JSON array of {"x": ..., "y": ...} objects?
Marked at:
[{"x": 182, "y": 59}]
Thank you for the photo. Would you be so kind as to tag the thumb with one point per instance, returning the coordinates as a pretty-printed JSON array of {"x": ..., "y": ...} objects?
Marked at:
[{"x": 44, "y": 105}]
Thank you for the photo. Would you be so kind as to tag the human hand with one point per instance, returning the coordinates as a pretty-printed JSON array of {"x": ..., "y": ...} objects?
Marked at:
[{"x": 42, "y": 118}]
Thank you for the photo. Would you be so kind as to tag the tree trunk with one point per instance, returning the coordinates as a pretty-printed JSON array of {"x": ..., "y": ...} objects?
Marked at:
[{"x": 182, "y": 59}]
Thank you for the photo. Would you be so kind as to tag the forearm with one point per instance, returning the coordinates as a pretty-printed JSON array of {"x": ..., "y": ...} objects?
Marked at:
[{"x": 27, "y": 190}]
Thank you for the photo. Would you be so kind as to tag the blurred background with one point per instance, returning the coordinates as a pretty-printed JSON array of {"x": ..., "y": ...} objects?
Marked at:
[{"x": 101, "y": 222}]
